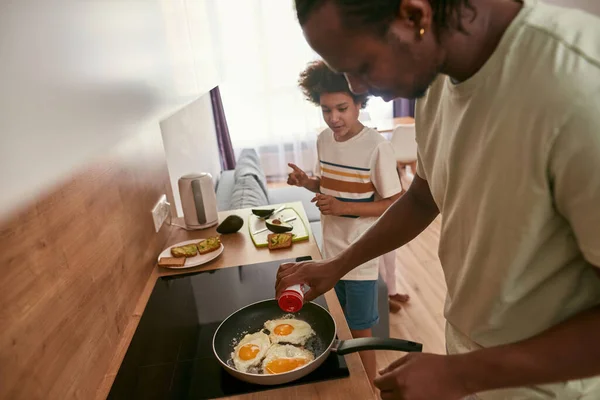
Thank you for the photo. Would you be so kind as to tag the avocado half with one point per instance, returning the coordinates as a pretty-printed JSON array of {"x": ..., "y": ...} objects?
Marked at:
[
  {"x": 231, "y": 224},
  {"x": 278, "y": 226},
  {"x": 263, "y": 213}
]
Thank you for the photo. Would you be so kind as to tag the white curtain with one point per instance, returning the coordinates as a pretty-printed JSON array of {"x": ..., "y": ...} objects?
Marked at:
[{"x": 261, "y": 52}]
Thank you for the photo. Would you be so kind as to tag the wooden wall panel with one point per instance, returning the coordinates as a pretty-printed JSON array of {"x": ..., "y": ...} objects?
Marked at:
[{"x": 72, "y": 269}]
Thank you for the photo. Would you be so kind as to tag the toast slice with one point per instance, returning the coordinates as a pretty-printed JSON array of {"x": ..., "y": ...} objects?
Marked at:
[
  {"x": 208, "y": 245},
  {"x": 279, "y": 240},
  {"x": 189, "y": 250},
  {"x": 171, "y": 261}
]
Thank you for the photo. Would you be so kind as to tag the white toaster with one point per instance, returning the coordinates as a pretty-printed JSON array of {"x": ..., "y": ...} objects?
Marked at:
[{"x": 198, "y": 201}]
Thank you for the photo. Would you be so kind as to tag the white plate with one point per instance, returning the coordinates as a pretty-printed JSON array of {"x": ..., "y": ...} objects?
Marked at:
[{"x": 199, "y": 259}]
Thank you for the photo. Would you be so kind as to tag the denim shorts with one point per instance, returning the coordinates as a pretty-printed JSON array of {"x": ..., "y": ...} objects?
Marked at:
[{"x": 359, "y": 302}]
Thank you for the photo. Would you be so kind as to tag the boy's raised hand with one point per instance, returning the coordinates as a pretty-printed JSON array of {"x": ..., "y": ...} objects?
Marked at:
[{"x": 297, "y": 177}]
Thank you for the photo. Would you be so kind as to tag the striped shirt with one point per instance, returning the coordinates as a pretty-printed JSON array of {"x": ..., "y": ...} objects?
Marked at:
[{"x": 362, "y": 169}]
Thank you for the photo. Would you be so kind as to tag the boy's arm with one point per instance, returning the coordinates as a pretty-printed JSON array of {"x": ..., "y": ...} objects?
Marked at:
[
  {"x": 329, "y": 205},
  {"x": 313, "y": 184}
]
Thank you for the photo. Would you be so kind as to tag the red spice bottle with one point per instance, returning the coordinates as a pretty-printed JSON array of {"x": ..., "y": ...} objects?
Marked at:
[{"x": 291, "y": 299}]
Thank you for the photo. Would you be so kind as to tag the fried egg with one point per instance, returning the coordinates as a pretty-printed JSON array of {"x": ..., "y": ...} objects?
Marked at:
[
  {"x": 250, "y": 351},
  {"x": 289, "y": 330},
  {"x": 284, "y": 358}
]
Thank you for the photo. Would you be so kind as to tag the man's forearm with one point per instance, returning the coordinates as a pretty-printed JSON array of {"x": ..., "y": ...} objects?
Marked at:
[
  {"x": 567, "y": 351},
  {"x": 401, "y": 223}
]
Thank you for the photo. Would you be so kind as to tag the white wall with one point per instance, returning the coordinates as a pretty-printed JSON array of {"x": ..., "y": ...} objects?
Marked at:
[
  {"x": 592, "y": 6},
  {"x": 190, "y": 143},
  {"x": 76, "y": 77}
]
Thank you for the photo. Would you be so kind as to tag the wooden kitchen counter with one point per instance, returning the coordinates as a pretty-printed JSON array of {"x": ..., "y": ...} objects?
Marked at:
[{"x": 240, "y": 250}]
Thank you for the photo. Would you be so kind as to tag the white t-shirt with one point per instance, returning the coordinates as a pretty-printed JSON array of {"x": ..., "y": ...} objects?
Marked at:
[
  {"x": 361, "y": 169},
  {"x": 512, "y": 157}
]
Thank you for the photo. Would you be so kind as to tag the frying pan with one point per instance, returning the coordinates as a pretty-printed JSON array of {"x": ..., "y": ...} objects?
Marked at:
[{"x": 251, "y": 319}]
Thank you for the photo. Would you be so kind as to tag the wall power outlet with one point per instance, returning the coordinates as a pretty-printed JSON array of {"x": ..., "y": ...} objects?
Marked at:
[{"x": 160, "y": 212}]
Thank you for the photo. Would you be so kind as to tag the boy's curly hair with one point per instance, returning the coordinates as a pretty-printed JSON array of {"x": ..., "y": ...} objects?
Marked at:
[{"x": 317, "y": 78}]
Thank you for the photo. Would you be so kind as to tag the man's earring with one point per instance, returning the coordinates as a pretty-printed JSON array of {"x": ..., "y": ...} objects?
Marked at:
[{"x": 422, "y": 32}]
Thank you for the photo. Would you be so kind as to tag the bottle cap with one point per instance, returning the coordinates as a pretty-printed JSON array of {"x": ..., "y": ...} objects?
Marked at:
[{"x": 290, "y": 301}]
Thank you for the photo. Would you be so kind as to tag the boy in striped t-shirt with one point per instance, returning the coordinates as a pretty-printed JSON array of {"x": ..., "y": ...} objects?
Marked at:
[{"x": 356, "y": 181}]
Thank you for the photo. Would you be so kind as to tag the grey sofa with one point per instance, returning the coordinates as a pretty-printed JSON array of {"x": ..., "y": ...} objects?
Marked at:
[{"x": 246, "y": 187}]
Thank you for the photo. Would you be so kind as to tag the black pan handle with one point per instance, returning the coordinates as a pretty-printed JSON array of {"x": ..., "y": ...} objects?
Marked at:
[{"x": 354, "y": 345}]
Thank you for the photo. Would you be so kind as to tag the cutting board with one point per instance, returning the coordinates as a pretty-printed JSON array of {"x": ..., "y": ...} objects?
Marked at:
[{"x": 260, "y": 240}]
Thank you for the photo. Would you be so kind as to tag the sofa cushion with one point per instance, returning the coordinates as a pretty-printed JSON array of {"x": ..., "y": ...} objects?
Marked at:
[
  {"x": 248, "y": 164},
  {"x": 290, "y": 194},
  {"x": 224, "y": 190},
  {"x": 315, "y": 228},
  {"x": 247, "y": 192}
]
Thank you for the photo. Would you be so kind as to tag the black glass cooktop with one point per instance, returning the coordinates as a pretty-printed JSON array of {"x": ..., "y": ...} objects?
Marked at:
[{"x": 170, "y": 355}]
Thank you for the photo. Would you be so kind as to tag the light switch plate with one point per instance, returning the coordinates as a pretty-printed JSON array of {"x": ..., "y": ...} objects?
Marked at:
[{"x": 160, "y": 212}]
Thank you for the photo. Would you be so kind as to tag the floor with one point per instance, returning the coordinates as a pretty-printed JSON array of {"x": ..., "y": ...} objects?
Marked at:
[{"x": 419, "y": 274}]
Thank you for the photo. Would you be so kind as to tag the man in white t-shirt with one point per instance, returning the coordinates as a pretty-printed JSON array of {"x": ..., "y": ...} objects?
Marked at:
[{"x": 508, "y": 133}]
